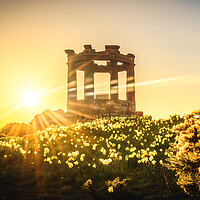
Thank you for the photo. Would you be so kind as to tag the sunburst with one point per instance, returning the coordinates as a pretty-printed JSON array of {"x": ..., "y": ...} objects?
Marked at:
[{"x": 31, "y": 98}]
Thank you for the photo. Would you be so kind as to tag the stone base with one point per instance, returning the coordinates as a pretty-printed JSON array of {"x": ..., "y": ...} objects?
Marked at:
[{"x": 95, "y": 108}]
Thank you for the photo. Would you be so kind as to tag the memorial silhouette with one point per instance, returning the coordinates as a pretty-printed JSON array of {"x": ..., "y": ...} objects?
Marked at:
[{"x": 83, "y": 67}]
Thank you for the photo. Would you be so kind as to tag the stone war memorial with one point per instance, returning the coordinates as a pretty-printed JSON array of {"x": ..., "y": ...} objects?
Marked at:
[{"x": 101, "y": 83}]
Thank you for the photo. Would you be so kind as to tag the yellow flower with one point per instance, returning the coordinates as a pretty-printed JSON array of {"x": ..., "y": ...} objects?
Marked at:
[
  {"x": 76, "y": 162},
  {"x": 94, "y": 165},
  {"x": 153, "y": 162},
  {"x": 110, "y": 189},
  {"x": 120, "y": 157},
  {"x": 70, "y": 165},
  {"x": 161, "y": 162},
  {"x": 138, "y": 155}
]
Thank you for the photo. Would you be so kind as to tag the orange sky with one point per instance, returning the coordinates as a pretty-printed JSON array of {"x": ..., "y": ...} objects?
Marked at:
[{"x": 163, "y": 35}]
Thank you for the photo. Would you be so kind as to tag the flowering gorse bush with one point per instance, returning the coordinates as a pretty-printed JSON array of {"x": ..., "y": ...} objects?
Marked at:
[{"x": 184, "y": 154}]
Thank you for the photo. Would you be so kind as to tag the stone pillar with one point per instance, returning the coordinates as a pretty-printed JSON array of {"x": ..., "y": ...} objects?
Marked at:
[
  {"x": 114, "y": 81},
  {"x": 89, "y": 81},
  {"x": 131, "y": 82},
  {"x": 71, "y": 83}
]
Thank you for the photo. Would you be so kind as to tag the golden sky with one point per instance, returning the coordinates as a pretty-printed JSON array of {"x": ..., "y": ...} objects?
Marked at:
[{"x": 163, "y": 35}]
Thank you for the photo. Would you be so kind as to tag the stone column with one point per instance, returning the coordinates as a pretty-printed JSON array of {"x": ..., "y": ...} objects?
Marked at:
[
  {"x": 131, "y": 82},
  {"x": 89, "y": 81},
  {"x": 71, "y": 84},
  {"x": 114, "y": 81}
]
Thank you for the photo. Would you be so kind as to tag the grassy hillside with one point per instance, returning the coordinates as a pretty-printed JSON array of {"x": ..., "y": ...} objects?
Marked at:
[{"x": 109, "y": 158}]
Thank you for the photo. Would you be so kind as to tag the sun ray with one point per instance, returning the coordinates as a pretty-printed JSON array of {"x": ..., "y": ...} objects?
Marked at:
[
  {"x": 47, "y": 124},
  {"x": 78, "y": 68},
  {"x": 41, "y": 122},
  {"x": 34, "y": 125},
  {"x": 11, "y": 110},
  {"x": 17, "y": 131},
  {"x": 191, "y": 77},
  {"x": 12, "y": 130},
  {"x": 54, "y": 119},
  {"x": 53, "y": 90},
  {"x": 63, "y": 120}
]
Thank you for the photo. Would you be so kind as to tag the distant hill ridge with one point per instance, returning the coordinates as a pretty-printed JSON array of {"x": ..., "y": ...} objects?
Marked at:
[{"x": 40, "y": 122}]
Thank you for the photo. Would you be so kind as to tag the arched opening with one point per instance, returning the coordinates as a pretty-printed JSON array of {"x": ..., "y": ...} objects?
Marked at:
[
  {"x": 101, "y": 85},
  {"x": 80, "y": 76},
  {"x": 101, "y": 62},
  {"x": 122, "y": 84}
]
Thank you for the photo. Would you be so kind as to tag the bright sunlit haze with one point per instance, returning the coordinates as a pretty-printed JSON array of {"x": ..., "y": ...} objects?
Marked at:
[{"x": 164, "y": 36}]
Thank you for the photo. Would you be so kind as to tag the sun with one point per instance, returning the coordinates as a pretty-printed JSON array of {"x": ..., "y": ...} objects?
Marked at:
[{"x": 31, "y": 98}]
